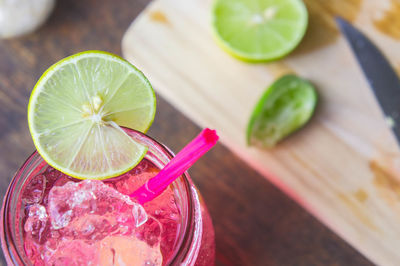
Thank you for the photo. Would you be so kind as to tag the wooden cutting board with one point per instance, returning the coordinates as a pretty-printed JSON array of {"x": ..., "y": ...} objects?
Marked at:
[{"x": 344, "y": 166}]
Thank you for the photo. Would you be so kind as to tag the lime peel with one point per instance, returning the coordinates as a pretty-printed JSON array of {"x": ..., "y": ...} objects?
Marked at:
[{"x": 287, "y": 105}]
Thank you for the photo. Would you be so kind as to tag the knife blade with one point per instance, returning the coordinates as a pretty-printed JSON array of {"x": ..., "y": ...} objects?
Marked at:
[{"x": 380, "y": 75}]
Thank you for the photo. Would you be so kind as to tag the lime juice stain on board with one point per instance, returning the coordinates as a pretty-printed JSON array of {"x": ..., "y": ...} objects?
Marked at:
[
  {"x": 361, "y": 195},
  {"x": 388, "y": 20},
  {"x": 386, "y": 182},
  {"x": 357, "y": 211},
  {"x": 322, "y": 29},
  {"x": 159, "y": 17}
]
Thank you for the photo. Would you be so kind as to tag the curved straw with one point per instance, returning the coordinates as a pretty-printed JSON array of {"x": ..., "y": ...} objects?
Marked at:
[{"x": 177, "y": 166}]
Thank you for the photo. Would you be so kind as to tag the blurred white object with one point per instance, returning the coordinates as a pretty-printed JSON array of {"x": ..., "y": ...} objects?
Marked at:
[{"x": 18, "y": 17}]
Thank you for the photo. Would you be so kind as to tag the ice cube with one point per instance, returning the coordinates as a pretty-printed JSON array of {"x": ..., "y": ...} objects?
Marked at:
[
  {"x": 120, "y": 250},
  {"x": 93, "y": 227},
  {"x": 36, "y": 223},
  {"x": 92, "y": 210},
  {"x": 74, "y": 252},
  {"x": 34, "y": 190},
  {"x": 140, "y": 215},
  {"x": 54, "y": 178}
]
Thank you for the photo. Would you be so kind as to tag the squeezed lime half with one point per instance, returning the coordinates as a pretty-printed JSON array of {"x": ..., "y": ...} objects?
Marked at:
[
  {"x": 259, "y": 30},
  {"x": 286, "y": 106},
  {"x": 77, "y": 107}
]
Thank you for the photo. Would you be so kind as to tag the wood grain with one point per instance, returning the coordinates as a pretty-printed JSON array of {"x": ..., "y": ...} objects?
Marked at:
[
  {"x": 325, "y": 165},
  {"x": 255, "y": 223}
]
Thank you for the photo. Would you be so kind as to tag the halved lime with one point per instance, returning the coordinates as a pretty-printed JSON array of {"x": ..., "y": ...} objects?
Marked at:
[
  {"x": 76, "y": 110},
  {"x": 259, "y": 30},
  {"x": 285, "y": 107}
]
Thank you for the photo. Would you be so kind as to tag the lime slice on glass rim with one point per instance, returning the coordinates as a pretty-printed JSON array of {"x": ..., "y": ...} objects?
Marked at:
[
  {"x": 286, "y": 106},
  {"x": 77, "y": 107},
  {"x": 259, "y": 30}
]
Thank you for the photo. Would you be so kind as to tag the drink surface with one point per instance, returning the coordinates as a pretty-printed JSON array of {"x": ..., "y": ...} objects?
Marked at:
[{"x": 72, "y": 222}]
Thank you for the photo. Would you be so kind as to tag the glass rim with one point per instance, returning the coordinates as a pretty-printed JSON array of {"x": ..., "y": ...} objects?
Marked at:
[{"x": 11, "y": 250}]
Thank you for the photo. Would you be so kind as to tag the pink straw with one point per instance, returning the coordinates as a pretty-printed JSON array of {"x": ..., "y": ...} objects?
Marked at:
[{"x": 177, "y": 166}]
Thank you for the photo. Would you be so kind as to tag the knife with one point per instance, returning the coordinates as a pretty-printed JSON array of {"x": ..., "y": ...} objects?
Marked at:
[{"x": 381, "y": 76}]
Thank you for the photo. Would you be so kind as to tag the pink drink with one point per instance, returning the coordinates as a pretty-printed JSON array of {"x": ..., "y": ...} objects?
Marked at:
[
  {"x": 90, "y": 217},
  {"x": 52, "y": 219}
]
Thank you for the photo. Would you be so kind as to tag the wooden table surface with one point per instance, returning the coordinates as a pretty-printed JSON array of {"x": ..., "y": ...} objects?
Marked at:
[{"x": 255, "y": 223}]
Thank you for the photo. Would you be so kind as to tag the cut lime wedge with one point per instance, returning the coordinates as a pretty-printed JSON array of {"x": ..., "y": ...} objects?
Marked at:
[
  {"x": 259, "y": 30},
  {"x": 77, "y": 107},
  {"x": 285, "y": 107}
]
